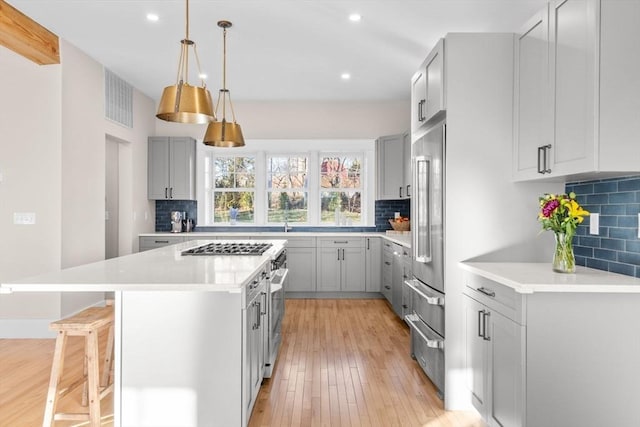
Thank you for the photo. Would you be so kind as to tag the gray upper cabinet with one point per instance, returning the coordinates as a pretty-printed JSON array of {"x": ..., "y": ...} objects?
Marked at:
[
  {"x": 427, "y": 89},
  {"x": 575, "y": 82},
  {"x": 392, "y": 163},
  {"x": 171, "y": 168}
]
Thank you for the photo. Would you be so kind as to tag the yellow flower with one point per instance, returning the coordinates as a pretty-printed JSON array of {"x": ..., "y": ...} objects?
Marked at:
[{"x": 576, "y": 211}]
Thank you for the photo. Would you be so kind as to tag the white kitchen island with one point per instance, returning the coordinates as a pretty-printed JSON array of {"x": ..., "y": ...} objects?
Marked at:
[
  {"x": 549, "y": 349},
  {"x": 183, "y": 332}
]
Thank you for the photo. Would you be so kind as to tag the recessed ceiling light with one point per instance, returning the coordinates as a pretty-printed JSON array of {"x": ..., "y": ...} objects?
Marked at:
[
  {"x": 152, "y": 17},
  {"x": 345, "y": 76},
  {"x": 355, "y": 17}
]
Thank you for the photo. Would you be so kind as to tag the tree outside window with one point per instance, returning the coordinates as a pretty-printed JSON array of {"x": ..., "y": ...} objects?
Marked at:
[
  {"x": 234, "y": 189},
  {"x": 341, "y": 189},
  {"x": 287, "y": 189}
]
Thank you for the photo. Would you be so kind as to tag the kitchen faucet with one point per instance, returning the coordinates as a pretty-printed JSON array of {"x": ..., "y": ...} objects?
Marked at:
[{"x": 286, "y": 226}]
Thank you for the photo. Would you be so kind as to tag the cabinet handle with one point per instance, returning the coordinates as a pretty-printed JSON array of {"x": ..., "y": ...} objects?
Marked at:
[
  {"x": 405, "y": 306},
  {"x": 408, "y": 185},
  {"x": 258, "y": 314},
  {"x": 487, "y": 292},
  {"x": 343, "y": 254},
  {"x": 388, "y": 287},
  {"x": 485, "y": 316},
  {"x": 480, "y": 323},
  {"x": 400, "y": 192},
  {"x": 546, "y": 165},
  {"x": 171, "y": 192},
  {"x": 338, "y": 254},
  {"x": 368, "y": 243},
  {"x": 161, "y": 241},
  {"x": 337, "y": 242},
  {"x": 542, "y": 165},
  {"x": 420, "y": 110},
  {"x": 166, "y": 194},
  {"x": 387, "y": 263}
]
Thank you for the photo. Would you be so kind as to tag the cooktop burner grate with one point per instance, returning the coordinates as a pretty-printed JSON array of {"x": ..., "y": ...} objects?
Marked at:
[{"x": 229, "y": 249}]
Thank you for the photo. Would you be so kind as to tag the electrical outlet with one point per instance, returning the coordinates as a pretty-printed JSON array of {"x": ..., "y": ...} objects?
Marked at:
[
  {"x": 594, "y": 224},
  {"x": 24, "y": 218},
  {"x": 396, "y": 215}
]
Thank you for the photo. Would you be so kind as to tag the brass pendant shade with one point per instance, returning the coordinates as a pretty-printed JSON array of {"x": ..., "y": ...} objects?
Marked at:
[
  {"x": 182, "y": 102},
  {"x": 223, "y": 133}
]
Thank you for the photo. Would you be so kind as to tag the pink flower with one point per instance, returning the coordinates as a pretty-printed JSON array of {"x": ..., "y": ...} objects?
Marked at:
[{"x": 549, "y": 207}]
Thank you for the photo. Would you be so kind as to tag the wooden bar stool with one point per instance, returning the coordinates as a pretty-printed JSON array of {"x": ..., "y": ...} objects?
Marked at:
[{"x": 86, "y": 323}]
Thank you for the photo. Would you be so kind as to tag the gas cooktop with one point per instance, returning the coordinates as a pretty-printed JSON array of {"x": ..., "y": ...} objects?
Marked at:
[{"x": 229, "y": 249}]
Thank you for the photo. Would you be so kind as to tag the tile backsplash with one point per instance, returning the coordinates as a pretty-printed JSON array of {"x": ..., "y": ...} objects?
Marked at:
[
  {"x": 384, "y": 209},
  {"x": 616, "y": 248}
]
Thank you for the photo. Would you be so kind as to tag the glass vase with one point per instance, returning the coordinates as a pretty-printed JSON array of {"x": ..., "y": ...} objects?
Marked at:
[{"x": 563, "y": 259}]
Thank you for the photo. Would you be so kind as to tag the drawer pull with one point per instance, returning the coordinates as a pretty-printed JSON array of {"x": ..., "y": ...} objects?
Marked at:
[
  {"x": 412, "y": 319},
  {"x": 430, "y": 300},
  {"x": 161, "y": 241},
  {"x": 387, "y": 263},
  {"x": 487, "y": 292},
  {"x": 387, "y": 287}
]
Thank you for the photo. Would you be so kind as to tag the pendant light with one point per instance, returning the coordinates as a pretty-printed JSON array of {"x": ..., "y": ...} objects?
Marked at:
[
  {"x": 182, "y": 102},
  {"x": 223, "y": 133}
]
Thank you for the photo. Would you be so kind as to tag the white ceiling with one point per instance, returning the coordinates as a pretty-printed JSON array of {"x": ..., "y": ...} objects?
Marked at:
[{"x": 277, "y": 49}]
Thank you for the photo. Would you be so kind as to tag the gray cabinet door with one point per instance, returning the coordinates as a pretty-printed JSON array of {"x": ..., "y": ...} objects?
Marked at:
[
  {"x": 475, "y": 354},
  {"x": 532, "y": 96},
  {"x": 373, "y": 273},
  {"x": 158, "y": 168},
  {"x": 397, "y": 280},
  {"x": 387, "y": 274},
  {"x": 301, "y": 263},
  {"x": 182, "y": 168},
  {"x": 353, "y": 269},
  {"x": 329, "y": 272},
  {"x": 435, "y": 84},
  {"x": 505, "y": 371},
  {"x": 390, "y": 167}
]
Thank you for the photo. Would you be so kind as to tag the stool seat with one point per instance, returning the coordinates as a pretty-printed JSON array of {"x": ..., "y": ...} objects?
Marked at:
[{"x": 86, "y": 323}]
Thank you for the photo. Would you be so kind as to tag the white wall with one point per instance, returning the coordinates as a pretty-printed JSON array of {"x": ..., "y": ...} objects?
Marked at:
[
  {"x": 30, "y": 143},
  {"x": 308, "y": 120},
  {"x": 52, "y": 162},
  {"x": 485, "y": 211}
]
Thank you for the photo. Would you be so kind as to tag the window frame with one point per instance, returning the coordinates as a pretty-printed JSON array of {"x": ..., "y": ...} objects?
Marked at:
[{"x": 314, "y": 150}]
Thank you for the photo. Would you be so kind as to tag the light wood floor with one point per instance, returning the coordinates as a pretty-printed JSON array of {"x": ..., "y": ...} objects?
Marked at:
[
  {"x": 347, "y": 363},
  {"x": 342, "y": 363}
]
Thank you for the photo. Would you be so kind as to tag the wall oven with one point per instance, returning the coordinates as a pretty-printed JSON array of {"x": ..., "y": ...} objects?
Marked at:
[
  {"x": 277, "y": 285},
  {"x": 426, "y": 319}
]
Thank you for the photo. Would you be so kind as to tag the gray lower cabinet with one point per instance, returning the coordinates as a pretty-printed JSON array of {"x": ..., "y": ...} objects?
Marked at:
[
  {"x": 301, "y": 262},
  {"x": 406, "y": 290},
  {"x": 387, "y": 270},
  {"x": 171, "y": 168},
  {"x": 341, "y": 264},
  {"x": 373, "y": 279},
  {"x": 153, "y": 242}
]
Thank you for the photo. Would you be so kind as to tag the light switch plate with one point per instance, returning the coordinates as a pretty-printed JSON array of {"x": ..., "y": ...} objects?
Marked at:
[
  {"x": 24, "y": 218},
  {"x": 594, "y": 223}
]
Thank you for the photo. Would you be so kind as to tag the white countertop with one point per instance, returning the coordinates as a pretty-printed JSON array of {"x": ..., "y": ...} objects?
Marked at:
[
  {"x": 401, "y": 239},
  {"x": 527, "y": 278},
  {"x": 159, "y": 269}
]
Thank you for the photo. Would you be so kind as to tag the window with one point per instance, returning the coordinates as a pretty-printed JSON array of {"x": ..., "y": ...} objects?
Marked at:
[
  {"x": 287, "y": 189},
  {"x": 341, "y": 190},
  {"x": 234, "y": 190},
  {"x": 301, "y": 182}
]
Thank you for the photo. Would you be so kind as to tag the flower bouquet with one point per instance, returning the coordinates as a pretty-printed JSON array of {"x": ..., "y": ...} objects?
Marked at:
[{"x": 562, "y": 214}]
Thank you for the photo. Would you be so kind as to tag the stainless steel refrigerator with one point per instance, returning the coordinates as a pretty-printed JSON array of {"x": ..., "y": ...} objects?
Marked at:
[{"x": 427, "y": 231}]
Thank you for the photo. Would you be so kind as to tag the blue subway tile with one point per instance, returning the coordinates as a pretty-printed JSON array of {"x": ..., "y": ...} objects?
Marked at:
[
  {"x": 627, "y": 221},
  {"x": 583, "y": 251},
  {"x": 621, "y": 198},
  {"x": 613, "y": 244},
  {"x": 613, "y": 210},
  {"x": 592, "y": 242},
  {"x": 583, "y": 188},
  {"x": 629, "y": 184},
  {"x": 598, "y": 264},
  {"x": 622, "y": 233},
  {"x": 580, "y": 260},
  {"x": 608, "y": 221},
  {"x": 605, "y": 254},
  {"x": 605, "y": 187},
  {"x": 598, "y": 199},
  {"x": 592, "y": 208},
  {"x": 632, "y": 246},
  {"x": 626, "y": 269},
  {"x": 637, "y": 272},
  {"x": 582, "y": 231},
  {"x": 629, "y": 257},
  {"x": 632, "y": 209}
]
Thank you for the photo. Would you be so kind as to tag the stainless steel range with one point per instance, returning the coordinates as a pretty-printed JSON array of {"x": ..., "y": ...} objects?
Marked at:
[{"x": 226, "y": 248}]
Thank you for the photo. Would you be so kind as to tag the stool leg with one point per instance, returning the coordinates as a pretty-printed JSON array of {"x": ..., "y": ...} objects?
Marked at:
[
  {"x": 107, "y": 369},
  {"x": 57, "y": 367},
  {"x": 93, "y": 365},
  {"x": 85, "y": 371}
]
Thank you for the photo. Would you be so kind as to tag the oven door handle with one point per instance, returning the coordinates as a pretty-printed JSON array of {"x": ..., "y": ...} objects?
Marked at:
[
  {"x": 411, "y": 320},
  {"x": 276, "y": 286},
  {"x": 430, "y": 300}
]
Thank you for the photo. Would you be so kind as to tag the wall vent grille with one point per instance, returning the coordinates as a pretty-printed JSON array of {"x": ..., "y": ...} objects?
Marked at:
[{"x": 118, "y": 96}]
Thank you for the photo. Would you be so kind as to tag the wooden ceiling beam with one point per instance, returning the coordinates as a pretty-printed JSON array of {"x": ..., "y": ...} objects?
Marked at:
[{"x": 26, "y": 37}]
